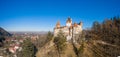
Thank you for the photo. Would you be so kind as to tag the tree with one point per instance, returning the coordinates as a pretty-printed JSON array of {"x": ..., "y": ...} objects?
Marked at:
[
  {"x": 96, "y": 26},
  {"x": 28, "y": 49},
  {"x": 1, "y": 40},
  {"x": 60, "y": 42},
  {"x": 49, "y": 36},
  {"x": 107, "y": 32},
  {"x": 43, "y": 39}
]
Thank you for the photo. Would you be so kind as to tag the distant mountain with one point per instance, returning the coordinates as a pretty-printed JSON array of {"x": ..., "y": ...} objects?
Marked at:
[
  {"x": 4, "y": 32},
  {"x": 28, "y": 32}
]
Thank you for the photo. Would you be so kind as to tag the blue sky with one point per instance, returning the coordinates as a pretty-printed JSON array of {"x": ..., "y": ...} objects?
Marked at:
[{"x": 42, "y": 15}]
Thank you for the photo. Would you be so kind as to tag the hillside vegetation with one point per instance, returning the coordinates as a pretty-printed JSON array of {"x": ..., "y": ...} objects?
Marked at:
[
  {"x": 102, "y": 40},
  {"x": 105, "y": 38}
]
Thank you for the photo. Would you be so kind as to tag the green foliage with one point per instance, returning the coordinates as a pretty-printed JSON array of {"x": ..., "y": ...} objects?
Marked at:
[
  {"x": 60, "y": 42},
  {"x": 2, "y": 38},
  {"x": 28, "y": 49},
  {"x": 43, "y": 39},
  {"x": 49, "y": 36},
  {"x": 1, "y": 41}
]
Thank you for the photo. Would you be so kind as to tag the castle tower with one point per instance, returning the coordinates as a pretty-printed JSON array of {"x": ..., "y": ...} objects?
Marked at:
[
  {"x": 75, "y": 24},
  {"x": 81, "y": 24},
  {"x": 58, "y": 24},
  {"x": 68, "y": 22}
]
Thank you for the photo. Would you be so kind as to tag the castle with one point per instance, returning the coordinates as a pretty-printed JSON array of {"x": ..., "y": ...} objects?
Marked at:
[{"x": 69, "y": 30}]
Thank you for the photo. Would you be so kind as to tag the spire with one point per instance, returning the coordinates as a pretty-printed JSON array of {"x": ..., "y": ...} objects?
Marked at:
[
  {"x": 58, "y": 24},
  {"x": 75, "y": 24},
  {"x": 69, "y": 20},
  {"x": 80, "y": 23}
]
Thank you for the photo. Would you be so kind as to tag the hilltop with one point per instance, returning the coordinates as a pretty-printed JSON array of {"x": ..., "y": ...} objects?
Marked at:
[
  {"x": 102, "y": 40},
  {"x": 4, "y": 32}
]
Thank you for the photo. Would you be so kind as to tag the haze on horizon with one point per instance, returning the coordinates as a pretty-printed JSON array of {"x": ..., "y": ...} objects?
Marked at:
[{"x": 42, "y": 15}]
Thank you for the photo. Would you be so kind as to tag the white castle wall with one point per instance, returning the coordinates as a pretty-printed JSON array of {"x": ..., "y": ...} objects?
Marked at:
[{"x": 74, "y": 30}]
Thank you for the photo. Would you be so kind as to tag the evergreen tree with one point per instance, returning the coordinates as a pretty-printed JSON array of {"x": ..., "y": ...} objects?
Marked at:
[
  {"x": 49, "y": 36},
  {"x": 28, "y": 49},
  {"x": 60, "y": 42}
]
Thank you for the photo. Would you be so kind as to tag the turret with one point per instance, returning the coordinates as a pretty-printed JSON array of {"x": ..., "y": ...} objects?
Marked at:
[
  {"x": 68, "y": 22},
  {"x": 58, "y": 24},
  {"x": 81, "y": 24}
]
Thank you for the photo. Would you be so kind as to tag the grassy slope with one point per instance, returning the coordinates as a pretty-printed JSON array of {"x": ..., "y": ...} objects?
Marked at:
[{"x": 49, "y": 50}]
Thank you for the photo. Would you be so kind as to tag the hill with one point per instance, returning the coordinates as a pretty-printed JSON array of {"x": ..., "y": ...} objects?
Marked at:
[
  {"x": 4, "y": 32},
  {"x": 49, "y": 50},
  {"x": 102, "y": 40}
]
